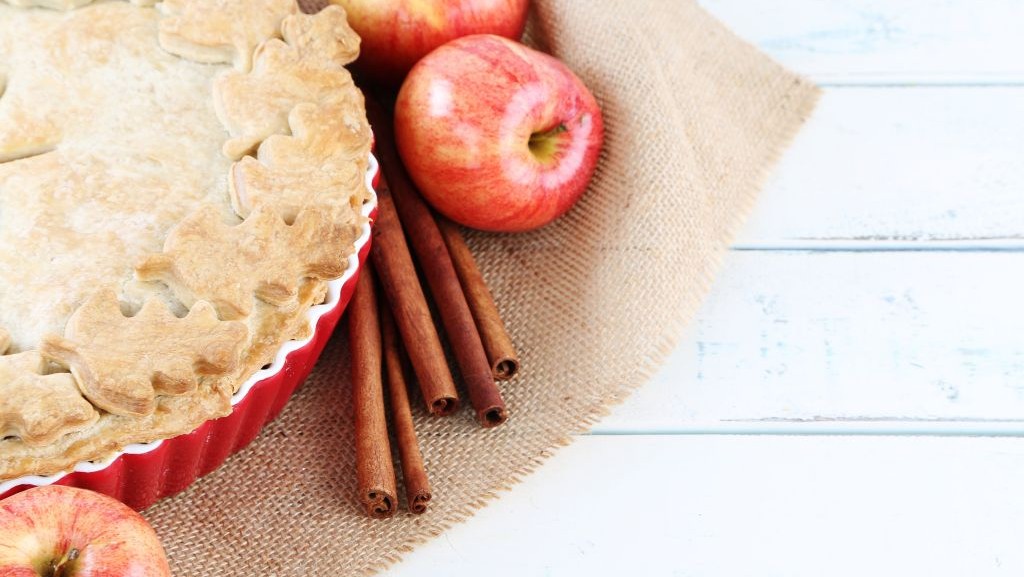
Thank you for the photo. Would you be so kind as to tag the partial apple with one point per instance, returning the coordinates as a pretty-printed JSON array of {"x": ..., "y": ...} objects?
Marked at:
[
  {"x": 397, "y": 33},
  {"x": 497, "y": 136},
  {"x": 60, "y": 531}
]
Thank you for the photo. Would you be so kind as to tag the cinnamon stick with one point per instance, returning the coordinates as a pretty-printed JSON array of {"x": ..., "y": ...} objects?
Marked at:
[
  {"x": 402, "y": 288},
  {"x": 414, "y": 474},
  {"x": 425, "y": 238},
  {"x": 501, "y": 353},
  {"x": 375, "y": 472}
]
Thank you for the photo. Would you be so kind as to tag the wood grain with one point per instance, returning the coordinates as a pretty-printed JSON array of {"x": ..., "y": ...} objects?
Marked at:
[
  {"x": 788, "y": 340},
  {"x": 751, "y": 506},
  {"x": 885, "y": 42},
  {"x": 876, "y": 289},
  {"x": 900, "y": 165}
]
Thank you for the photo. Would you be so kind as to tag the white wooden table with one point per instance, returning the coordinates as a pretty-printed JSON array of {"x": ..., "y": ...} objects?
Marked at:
[{"x": 850, "y": 400}]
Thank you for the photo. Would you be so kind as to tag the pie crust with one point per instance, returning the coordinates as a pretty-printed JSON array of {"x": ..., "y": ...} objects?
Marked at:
[{"x": 178, "y": 182}]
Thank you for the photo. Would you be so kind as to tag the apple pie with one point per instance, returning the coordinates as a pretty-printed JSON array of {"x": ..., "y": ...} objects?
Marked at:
[{"x": 179, "y": 180}]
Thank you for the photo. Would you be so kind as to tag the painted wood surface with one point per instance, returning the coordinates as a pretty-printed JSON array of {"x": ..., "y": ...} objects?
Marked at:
[
  {"x": 861, "y": 347},
  {"x": 790, "y": 340},
  {"x": 715, "y": 506},
  {"x": 889, "y": 42},
  {"x": 902, "y": 167}
]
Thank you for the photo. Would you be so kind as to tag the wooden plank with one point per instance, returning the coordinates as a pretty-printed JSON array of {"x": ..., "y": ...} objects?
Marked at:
[
  {"x": 886, "y": 42},
  {"x": 846, "y": 342},
  {"x": 900, "y": 165},
  {"x": 793, "y": 506}
]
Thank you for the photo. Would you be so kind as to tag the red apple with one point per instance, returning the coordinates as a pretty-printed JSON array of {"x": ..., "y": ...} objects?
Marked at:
[
  {"x": 397, "y": 33},
  {"x": 497, "y": 136},
  {"x": 59, "y": 531}
]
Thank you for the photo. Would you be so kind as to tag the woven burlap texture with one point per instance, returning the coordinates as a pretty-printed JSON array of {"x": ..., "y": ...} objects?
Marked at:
[{"x": 695, "y": 119}]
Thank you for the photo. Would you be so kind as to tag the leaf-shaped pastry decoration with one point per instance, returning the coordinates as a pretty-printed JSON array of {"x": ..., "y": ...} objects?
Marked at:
[
  {"x": 122, "y": 363},
  {"x": 29, "y": 124},
  {"x": 263, "y": 257},
  {"x": 325, "y": 36},
  {"x": 215, "y": 31},
  {"x": 323, "y": 162},
  {"x": 255, "y": 105},
  {"x": 36, "y": 407},
  {"x": 307, "y": 67}
]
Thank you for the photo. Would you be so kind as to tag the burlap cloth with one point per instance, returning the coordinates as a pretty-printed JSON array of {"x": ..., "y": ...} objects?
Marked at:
[{"x": 695, "y": 119}]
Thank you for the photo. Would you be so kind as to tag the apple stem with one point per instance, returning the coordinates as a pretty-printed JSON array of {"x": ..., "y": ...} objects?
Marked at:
[
  {"x": 540, "y": 136},
  {"x": 542, "y": 144},
  {"x": 57, "y": 567}
]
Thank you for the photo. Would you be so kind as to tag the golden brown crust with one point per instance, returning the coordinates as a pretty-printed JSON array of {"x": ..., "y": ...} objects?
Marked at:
[
  {"x": 277, "y": 176},
  {"x": 255, "y": 104},
  {"x": 54, "y": 4},
  {"x": 39, "y": 408},
  {"x": 119, "y": 369},
  {"x": 221, "y": 31},
  {"x": 262, "y": 258},
  {"x": 95, "y": 204},
  {"x": 324, "y": 38}
]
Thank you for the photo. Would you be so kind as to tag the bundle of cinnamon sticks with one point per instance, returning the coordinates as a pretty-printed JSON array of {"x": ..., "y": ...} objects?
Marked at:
[{"x": 401, "y": 333}]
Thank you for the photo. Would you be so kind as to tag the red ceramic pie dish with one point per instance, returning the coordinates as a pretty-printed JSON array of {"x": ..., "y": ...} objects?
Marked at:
[{"x": 141, "y": 474}]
